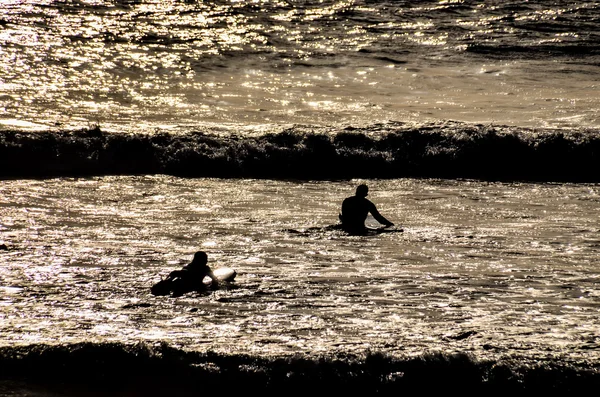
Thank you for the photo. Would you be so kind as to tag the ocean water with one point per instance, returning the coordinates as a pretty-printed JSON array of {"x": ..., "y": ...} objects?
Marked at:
[
  {"x": 255, "y": 65},
  {"x": 134, "y": 133},
  {"x": 496, "y": 271}
]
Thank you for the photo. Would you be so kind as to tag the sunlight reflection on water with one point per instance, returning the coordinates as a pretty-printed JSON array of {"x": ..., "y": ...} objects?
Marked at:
[
  {"x": 144, "y": 66},
  {"x": 505, "y": 263}
]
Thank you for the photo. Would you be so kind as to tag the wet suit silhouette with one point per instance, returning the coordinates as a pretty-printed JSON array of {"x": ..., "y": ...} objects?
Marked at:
[
  {"x": 188, "y": 279},
  {"x": 355, "y": 210}
]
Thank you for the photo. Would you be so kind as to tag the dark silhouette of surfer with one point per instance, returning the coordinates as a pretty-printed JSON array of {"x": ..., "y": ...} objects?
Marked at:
[
  {"x": 188, "y": 279},
  {"x": 355, "y": 210}
]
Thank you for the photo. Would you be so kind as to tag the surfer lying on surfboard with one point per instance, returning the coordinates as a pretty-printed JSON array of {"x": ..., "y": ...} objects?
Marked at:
[
  {"x": 355, "y": 210},
  {"x": 188, "y": 279}
]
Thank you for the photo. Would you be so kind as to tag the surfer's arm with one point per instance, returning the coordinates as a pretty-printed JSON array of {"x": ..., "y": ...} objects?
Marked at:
[
  {"x": 378, "y": 217},
  {"x": 212, "y": 276}
]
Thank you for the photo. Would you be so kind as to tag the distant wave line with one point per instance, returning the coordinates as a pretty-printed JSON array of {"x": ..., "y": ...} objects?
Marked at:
[{"x": 437, "y": 150}]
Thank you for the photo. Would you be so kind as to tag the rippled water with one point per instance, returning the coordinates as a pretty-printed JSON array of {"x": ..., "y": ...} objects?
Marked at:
[
  {"x": 147, "y": 65},
  {"x": 495, "y": 90},
  {"x": 495, "y": 269}
]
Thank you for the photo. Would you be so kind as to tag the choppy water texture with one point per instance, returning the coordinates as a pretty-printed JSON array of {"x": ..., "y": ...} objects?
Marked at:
[
  {"x": 119, "y": 100},
  {"x": 496, "y": 270},
  {"x": 247, "y": 65}
]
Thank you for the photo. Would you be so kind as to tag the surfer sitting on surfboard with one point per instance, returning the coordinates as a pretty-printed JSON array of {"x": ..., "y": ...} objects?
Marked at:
[
  {"x": 355, "y": 210},
  {"x": 189, "y": 278}
]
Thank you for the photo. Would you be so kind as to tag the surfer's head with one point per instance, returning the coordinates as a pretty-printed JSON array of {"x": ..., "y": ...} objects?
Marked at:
[
  {"x": 362, "y": 190},
  {"x": 200, "y": 258}
]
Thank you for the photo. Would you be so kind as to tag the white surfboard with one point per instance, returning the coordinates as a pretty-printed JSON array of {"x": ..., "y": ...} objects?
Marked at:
[{"x": 223, "y": 274}]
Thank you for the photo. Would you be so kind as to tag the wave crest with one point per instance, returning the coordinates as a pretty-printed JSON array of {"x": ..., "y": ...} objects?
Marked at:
[
  {"x": 113, "y": 368},
  {"x": 392, "y": 150}
]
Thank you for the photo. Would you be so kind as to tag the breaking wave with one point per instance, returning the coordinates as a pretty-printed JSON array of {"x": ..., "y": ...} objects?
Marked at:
[
  {"x": 108, "y": 368},
  {"x": 391, "y": 150}
]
